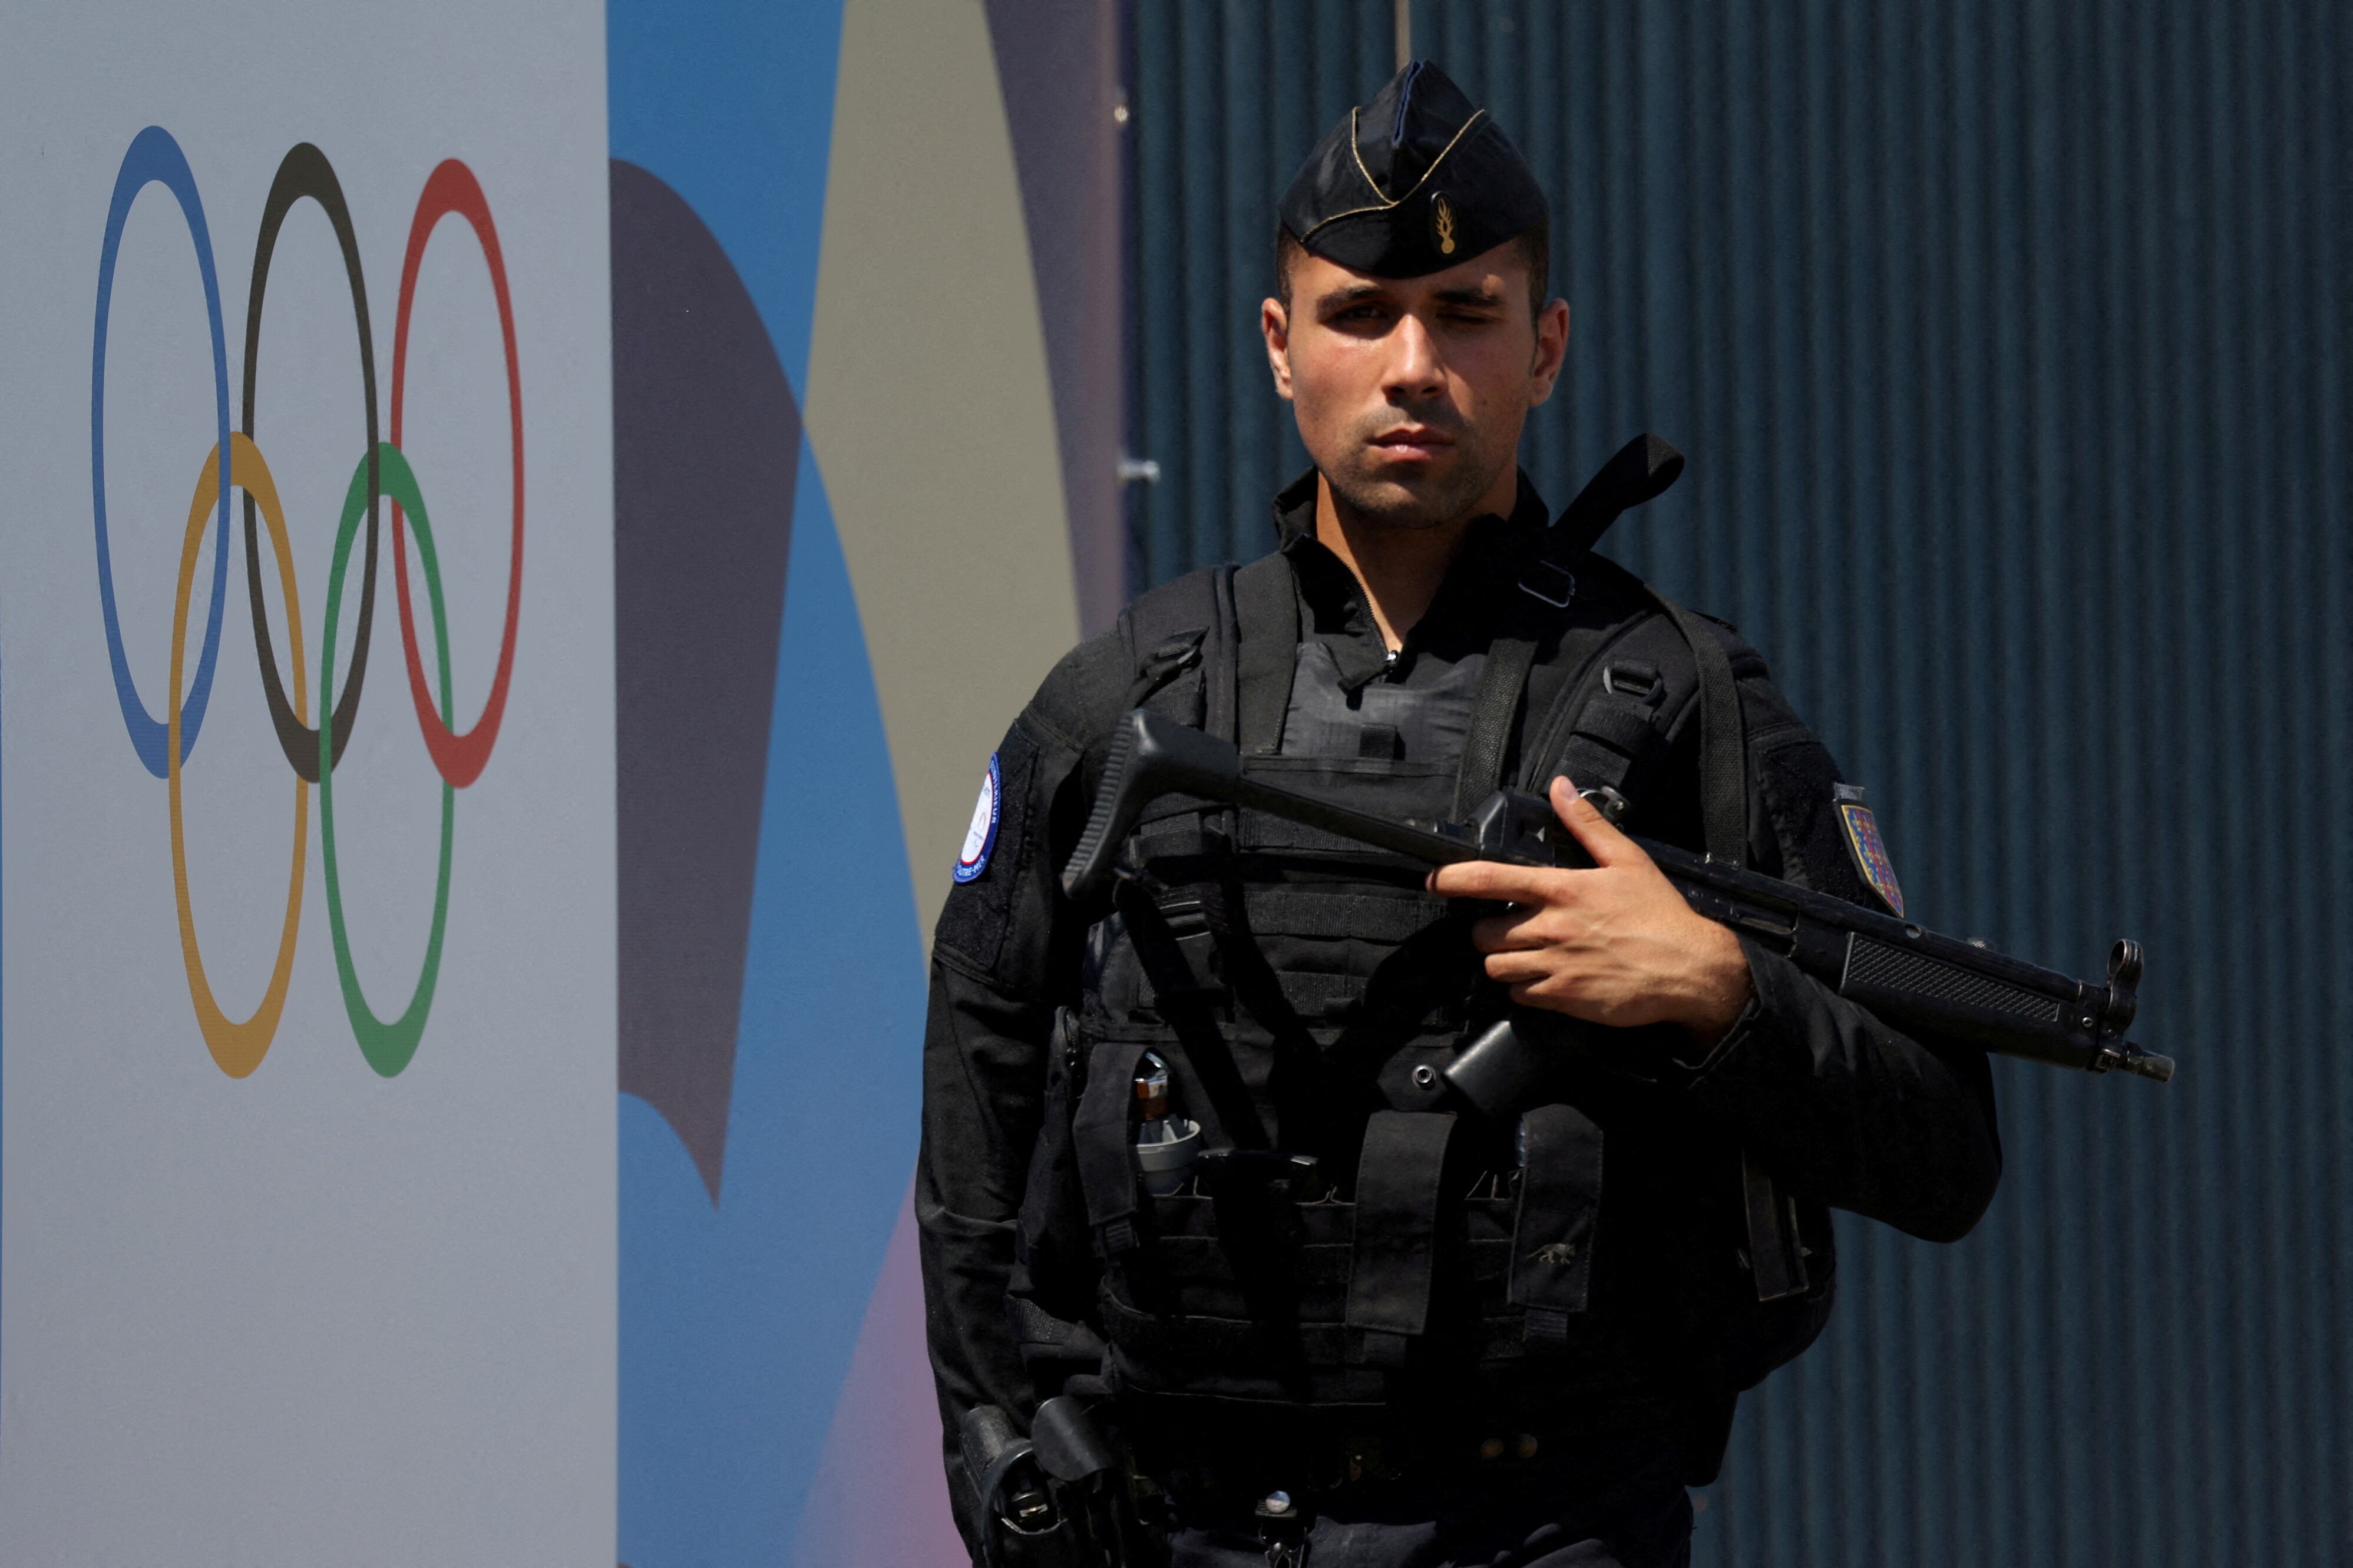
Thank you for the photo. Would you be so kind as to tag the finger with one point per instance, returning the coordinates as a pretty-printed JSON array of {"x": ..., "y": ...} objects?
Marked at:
[
  {"x": 1596, "y": 832},
  {"x": 1546, "y": 993},
  {"x": 1495, "y": 880},
  {"x": 1517, "y": 968},
  {"x": 1505, "y": 933}
]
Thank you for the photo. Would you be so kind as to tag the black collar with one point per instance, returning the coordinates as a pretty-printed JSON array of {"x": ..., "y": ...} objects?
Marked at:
[{"x": 1462, "y": 619}]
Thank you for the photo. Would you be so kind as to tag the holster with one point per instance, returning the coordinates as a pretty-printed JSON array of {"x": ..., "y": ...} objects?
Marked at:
[{"x": 1095, "y": 1522}]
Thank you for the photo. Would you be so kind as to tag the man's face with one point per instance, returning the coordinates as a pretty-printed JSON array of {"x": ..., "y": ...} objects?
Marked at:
[{"x": 1411, "y": 393}]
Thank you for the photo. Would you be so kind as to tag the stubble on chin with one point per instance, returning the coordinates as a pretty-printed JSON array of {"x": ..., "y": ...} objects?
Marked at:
[{"x": 1431, "y": 500}]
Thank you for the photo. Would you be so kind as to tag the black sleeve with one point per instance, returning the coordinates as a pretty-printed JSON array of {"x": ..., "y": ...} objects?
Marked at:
[
  {"x": 1834, "y": 1102},
  {"x": 1004, "y": 956}
]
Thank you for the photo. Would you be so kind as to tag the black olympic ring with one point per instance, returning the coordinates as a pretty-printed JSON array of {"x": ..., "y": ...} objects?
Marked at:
[{"x": 305, "y": 171}]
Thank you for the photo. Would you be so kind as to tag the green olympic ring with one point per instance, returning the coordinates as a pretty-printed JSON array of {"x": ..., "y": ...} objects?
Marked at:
[{"x": 387, "y": 1046}]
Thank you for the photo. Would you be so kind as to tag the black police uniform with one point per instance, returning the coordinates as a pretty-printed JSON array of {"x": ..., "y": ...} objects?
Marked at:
[{"x": 1440, "y": 1341}]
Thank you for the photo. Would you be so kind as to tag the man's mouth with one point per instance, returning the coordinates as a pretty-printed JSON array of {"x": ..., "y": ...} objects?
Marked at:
[{"x": 1411, "y": 442}]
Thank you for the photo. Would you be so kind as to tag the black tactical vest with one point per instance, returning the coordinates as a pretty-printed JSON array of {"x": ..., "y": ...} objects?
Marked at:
[{"x": 1353, "y": 1240}]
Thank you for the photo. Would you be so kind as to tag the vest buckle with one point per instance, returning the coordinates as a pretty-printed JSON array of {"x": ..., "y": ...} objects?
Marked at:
[
  {"x": 1549, "y": 582},
  {"x": 1196, "y": 941}
]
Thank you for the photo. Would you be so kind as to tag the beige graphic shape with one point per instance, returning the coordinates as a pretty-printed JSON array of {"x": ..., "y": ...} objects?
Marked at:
[{"x": 930, "y": 411}]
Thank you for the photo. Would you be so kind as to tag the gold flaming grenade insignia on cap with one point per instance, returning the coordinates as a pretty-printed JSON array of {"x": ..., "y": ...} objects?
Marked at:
[{"x": 1441, "y": 223}]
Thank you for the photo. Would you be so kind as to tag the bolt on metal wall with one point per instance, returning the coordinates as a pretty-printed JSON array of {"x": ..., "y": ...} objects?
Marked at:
[{"x": 2008, "y": 344}]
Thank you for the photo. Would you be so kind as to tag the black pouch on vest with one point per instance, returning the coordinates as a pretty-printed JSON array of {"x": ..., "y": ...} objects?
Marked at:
[
  {"x": 1103, "y": 1144},
  {"x": 1401, "y": 1185},
  {"x": 1560, "y": 1203},
  {"x": 1051, "y": 1241}
]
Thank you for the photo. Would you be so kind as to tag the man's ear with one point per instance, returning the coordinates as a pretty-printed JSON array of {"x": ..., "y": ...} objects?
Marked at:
[
  {"x": 1274, "y": 325},
  {"x": 1552, "y": 349}
]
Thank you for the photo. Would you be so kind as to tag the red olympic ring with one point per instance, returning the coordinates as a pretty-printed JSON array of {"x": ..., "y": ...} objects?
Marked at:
[{"x": 452, "y": 189}]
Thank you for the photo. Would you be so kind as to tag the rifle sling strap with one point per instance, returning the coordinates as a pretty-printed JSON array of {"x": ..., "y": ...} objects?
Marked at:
[
  {"x": 1775, "y": 1256},
  {"x": 1723, "y": 749}
]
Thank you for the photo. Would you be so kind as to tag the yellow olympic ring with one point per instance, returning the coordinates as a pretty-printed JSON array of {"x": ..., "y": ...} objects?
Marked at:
[{"x": 236, "y": 1048}]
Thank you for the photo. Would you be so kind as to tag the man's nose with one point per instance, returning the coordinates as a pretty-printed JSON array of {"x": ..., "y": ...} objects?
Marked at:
[{"x": 1415, "y": 374}]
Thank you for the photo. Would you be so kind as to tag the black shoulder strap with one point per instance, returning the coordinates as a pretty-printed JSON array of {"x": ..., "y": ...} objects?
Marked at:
[
  {"x": 1608, "y": 721},
  {"x": 1265, "y": 650},
  {"x": 1242, "y": 626},
  {"x": 1493, "y": 709},
  {"x": 1218, "y": 659},
  {"x": 1638, "y": 471},
  {"x": 1166, "y": 631},
  {"x": 1642, "y": 468},
  {"x": 1723, "y": 746}
]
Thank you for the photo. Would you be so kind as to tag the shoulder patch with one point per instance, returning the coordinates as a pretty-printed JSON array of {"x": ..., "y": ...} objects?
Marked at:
[
  {"x": 980, "y": 838},
  {"x": 1869, "y": 852}
]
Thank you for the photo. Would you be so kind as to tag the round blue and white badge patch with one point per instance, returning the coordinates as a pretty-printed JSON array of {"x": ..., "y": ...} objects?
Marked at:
[{"x": 980, "y": 838}]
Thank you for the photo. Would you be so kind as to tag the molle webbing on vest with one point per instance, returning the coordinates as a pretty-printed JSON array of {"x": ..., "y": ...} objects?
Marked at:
[
  {"x": 1289, "y": 911},
  {"x": 1208, "y": 1343}
]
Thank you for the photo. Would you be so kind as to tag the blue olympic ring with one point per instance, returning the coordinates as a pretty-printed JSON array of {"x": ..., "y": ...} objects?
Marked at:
[{"x": 155, "y": 159}]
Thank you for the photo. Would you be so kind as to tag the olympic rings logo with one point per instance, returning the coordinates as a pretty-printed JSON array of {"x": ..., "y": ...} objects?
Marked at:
[{"x": 382, "y": 472}]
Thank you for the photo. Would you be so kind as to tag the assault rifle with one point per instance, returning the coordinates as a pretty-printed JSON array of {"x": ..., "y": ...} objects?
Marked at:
[{"x": 1910, "y": 977}]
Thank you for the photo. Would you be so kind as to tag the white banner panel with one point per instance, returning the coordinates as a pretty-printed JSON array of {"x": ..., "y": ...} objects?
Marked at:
[{"x": 307, "y": 1186}]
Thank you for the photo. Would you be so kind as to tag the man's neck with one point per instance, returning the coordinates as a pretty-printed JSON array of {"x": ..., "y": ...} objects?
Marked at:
[{"x": 1401, "y": 569}]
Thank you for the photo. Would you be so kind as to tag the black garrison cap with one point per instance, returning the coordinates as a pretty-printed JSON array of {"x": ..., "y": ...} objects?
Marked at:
[{"x": 1413, "y": 182}]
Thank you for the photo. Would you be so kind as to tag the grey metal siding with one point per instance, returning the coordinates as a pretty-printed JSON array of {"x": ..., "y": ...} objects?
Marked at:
[{"x": 2010, "y": 346}]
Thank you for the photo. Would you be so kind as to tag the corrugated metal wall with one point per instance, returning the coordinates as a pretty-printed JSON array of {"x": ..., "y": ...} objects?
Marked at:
[{"x": 2009, "y": 343}]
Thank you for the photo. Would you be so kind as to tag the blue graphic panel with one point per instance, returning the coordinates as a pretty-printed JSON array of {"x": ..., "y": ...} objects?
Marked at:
[
  {"x": 732, "y": 105},
  {"x": 737, "y": 1322},
  {"x": 747, "y": 1262}
]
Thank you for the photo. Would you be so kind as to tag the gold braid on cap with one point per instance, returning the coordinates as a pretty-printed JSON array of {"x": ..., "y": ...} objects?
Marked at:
[{"x": 1386, "y": 202}]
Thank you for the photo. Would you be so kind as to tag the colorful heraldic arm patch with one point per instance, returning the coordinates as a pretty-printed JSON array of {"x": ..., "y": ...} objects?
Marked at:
[
  {"x": 980, "y": 838},
  {"x": 1870, "y": 853}
]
